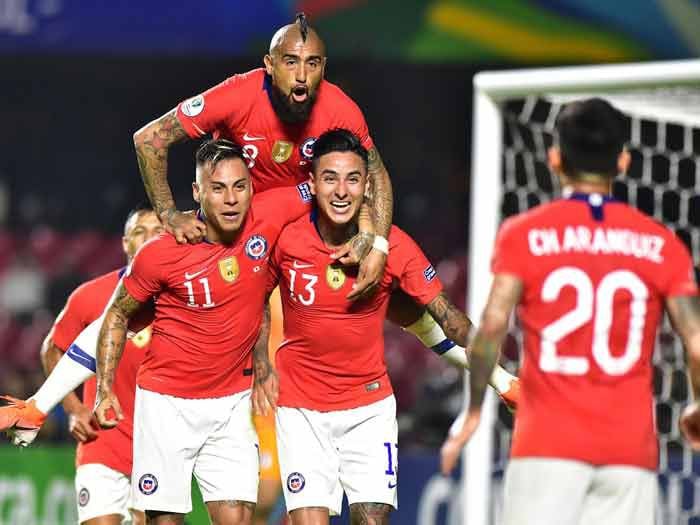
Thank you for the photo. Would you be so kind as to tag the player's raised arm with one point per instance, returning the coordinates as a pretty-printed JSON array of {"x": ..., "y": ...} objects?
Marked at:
[
  {"x": 152, "y": 143},
  {"x": 110, "y": 346},
  {"x": 684, "y": 312},
  {"x": 381, "y": 204},
  {"x": 505, "y": 294}
]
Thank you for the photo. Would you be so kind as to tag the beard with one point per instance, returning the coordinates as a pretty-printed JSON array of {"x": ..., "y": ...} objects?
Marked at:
[{"x": 287, "y": 110}]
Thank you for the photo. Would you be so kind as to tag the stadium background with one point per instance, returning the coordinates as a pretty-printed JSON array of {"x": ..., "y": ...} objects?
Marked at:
[{"x": 78, "y": 78}]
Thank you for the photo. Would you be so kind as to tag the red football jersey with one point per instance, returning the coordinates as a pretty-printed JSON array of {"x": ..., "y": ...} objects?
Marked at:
[
  {"x": 209, "y": 301},
  {"x": 332, "y": 353},
  {"x": 112, "y": 447},
  {"x": 279, "y": 154},
  {"x": 595, "y": 274}
]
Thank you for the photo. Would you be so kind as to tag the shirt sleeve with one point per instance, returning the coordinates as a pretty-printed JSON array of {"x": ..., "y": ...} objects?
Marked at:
[
  {"x": 145, "y": 276},
  {"x": 679, "y": 272},
  {"x": 217, "y": 109},
  {"x": 510, "y": 250},
  {"x": 408, "y": 263},
  {"x": 352, "y": 119},
  {"x": 70, "y": 322}
]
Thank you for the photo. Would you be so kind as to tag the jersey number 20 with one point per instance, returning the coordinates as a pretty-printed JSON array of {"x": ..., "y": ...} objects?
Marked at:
[{"x": 582, "y": 313}]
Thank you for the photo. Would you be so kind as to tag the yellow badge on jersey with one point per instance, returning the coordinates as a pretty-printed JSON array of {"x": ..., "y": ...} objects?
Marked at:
[
  {"x": 142, "y": 338},
  {"x": 281, "y": 151},
  {"x": 229, "y": 269},
  {"x": 335, "y": 277}
]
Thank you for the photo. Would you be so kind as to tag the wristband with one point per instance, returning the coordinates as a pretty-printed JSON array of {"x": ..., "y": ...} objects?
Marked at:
[{"x": 381, "y": 244}]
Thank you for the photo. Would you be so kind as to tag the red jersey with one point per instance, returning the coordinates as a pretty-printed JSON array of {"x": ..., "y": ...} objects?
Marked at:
[
  {"x": 112, "y": 447},
  {"x": 332, "y": 353},
  {"x": 279, "y": 154},
  {"x": 209, "y": 301},
  {"x": 596, "y": 273}
]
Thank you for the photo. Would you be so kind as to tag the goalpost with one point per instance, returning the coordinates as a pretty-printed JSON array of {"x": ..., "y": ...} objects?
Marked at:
[{"x": 513, "y": 120}]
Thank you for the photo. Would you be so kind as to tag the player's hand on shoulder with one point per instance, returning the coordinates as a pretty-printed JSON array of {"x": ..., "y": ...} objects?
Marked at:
[
  {"x": 690, "y": 425},
  {"x": 108, "y": 411},
  {"x": 185, "y": 226},
  {"x": 265, "y": 390},
  {"x": 82, "y": 425},
  {"x": 369, "y": 275}
]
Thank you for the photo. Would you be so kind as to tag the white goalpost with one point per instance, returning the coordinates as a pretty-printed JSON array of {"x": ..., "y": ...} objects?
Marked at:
[{"x": 513, "y": 119}]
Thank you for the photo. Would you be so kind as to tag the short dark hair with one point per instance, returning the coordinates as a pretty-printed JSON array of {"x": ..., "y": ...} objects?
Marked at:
[
  {"x": 303, "y": 24},
  {"x": 214, "y": 151},
  {"x": 141, "y": 207},
  {"x": 338, "y": 140},
  {"x": 591, "y": 135}
]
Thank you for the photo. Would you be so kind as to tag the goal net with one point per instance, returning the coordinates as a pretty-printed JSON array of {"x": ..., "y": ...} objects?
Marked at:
[{"x": 514, "y": 113}]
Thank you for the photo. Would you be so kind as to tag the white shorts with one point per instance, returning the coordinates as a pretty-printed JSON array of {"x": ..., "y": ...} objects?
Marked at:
[
  {"x": 322, "y": 454},
  {"x": 213, "y": 439},
  {"x": 101, "y": 491},
  {"x": 537, "y": 489}
]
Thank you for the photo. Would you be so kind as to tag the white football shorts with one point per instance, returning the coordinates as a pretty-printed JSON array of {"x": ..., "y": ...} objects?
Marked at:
[
  {"x": 214, "y": 439},
  {"x": 101, "y": 491},
  {"x": 323, "y": 454},
  {"x": 577, "y": 493}
]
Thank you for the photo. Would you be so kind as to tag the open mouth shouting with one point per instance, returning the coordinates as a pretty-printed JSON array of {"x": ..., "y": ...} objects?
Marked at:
[{"x": 300, "y": 94}]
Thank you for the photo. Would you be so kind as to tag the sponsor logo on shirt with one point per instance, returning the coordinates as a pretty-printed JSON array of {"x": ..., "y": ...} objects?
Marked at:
[
  {"x": 307, "y": 148},
  {"x": 193, "y": 106},
  {"x": 429, "y": 273},
  {"x": 281, "y": 151},
  {"x": 256, "y": 247},
  {"x": 305, "y": 191},
  {"x": 335, "y": 277},
  {"x": 295, "y": 482},
  {"x": 83, "y": 497},
  {"x": 228, "y": 268},
  {"x": 148, "y": 484}
]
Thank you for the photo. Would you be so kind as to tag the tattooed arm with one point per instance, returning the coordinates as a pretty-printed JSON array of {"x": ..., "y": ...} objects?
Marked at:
[
  {"x": 451, "y": 319},
  {"x": 152, "y": 143},
  {"x": 380, "y": 194},
  {"x": 379, "y": 206},
  {"x": 110, "y": 346},
  {"x": 265, "y": 381},
  {"x": 505, "y": 294},
  {"x": 684, "y": 312}
]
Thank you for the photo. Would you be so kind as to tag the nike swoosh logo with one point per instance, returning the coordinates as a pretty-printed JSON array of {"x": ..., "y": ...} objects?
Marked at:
[
  {"x": 248, "y": 137},
  {"x": 190, "y": 276},
  {"x": 299, "y": 266},
  {"x": 392, "y": 485}
]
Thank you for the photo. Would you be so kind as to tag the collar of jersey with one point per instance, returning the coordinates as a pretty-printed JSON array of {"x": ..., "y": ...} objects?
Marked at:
[{"x": 590, "y": 198}]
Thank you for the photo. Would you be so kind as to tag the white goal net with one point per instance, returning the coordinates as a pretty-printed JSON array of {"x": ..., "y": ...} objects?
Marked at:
[{"x": 513, "y": 123}]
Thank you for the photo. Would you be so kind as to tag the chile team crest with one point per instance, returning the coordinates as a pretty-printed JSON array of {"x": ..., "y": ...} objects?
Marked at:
[
  {"x": 307, "y": 148},
  {"x": 256, "y": 247},
  {"x": 148, "y": 484},
  {"x": 295, "y": 482}
]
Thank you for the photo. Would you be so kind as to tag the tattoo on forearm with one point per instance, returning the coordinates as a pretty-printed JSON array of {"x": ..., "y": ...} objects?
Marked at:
[
  {"x": 481, "y": 365},
  {"x": 361, "y": 244},
  {"x": 152, "y": 143},
  {"x": 380, "y": 193},
  {"x": 261, "y": 359},
  {"x": 370, "y": 513},
  {"x": 112, "y": 338},
  {"x": 451, "y": 319}
]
